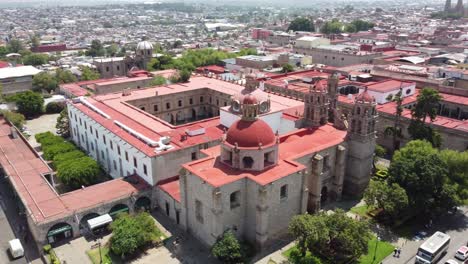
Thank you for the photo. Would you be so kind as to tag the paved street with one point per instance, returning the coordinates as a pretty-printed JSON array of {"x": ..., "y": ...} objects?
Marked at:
[
  {"x": 456, "y": 226},
  {"x": 10, "y": 223}
]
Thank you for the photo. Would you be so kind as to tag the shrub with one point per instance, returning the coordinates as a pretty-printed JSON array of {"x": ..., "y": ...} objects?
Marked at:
[
  {"x": 55, "y": 107},
  {"x": 79, "y": 172},
  {"x": 63, "y": 157},
  {"x": 382, "y": 174},
  {"x": 295, "y": 257},
  {"x": 53, "y": 257},
  {"x": 47, "y": 138},
  {"x": 15, "y": 118},
  {"x": 130, "y": 233},
  {"x": 62, "y": 147},
  {"x": 47, "y": 248},
  {"x": 228, "y": 249}
]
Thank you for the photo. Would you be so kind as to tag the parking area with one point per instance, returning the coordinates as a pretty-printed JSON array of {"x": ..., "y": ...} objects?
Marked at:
[{"x": 41, "y": 124}]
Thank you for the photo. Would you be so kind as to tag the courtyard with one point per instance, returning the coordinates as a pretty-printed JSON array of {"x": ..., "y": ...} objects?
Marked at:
[
  {"x": 186, "y": 250},
  {"x": 41, "y": 124}
]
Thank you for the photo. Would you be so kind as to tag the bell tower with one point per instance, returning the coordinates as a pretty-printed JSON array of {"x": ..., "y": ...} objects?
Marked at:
[
  {"x": 361, "y": 143},
  {"x": 316, "y": 105}
]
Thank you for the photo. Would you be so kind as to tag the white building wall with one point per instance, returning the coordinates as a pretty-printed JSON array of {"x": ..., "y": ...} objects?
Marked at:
[
  {"x": 272, "y": 119},
  {"x": 381, "y": 98},
  {"x": 286, "y": 126},
  {"x": 103, "y": 153}
]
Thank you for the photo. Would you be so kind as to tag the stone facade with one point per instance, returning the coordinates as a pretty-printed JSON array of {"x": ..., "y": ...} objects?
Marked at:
[{"x": 336, "y": 58}]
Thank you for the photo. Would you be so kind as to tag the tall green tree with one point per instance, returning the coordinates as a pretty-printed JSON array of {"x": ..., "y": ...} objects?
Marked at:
[
  {"x": 457, "y": 165},
  {"x": 35, "y": 59},
  {"x": 396, "y": 131},
  {"x": 391, "y": 198},
  {"x": 35, "y": 41},
  {"x": 15, "y": 46},
  {"x": 132, "y": 232},
  {"x": 228, "y": 249},
  {"x": 96, "y": 49},
  {"x": 335, "y": 236},
  {"x": 427, "y": 103},
  {"x": 184, "y": 75},
  {"x": 29, "y": 103},
  {"x": 361, "y": 25},
  {"x": 424, "y": 111},
  {"x": 63, "y": 124},
  {"x": 44, "y": 81},
  {"x": 64, "y": 76},
  {"x": 332, "y": 27},
  {"x": 112, "y": 50},
  {"x": 302, "y": 24},
  {"x": 420, "y": 171},
  {"x": 88, "y": 74}
]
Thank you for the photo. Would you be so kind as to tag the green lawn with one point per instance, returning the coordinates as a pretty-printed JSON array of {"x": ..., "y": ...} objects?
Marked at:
[
  {"x": 383, "y": 250},
  {"x": 361, "y": 210}
]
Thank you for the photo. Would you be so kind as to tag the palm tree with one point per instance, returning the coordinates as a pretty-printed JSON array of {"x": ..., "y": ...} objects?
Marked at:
[{"x": 396, "y": 131}]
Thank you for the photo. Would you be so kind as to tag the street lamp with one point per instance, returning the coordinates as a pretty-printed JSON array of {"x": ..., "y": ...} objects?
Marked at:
[{"x": 375, "y": 250}]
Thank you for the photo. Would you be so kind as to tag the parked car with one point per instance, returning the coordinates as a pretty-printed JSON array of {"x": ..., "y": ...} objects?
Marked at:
[
  {"x": 451, "y": 261},
  {"x": 462, "y": 253}
]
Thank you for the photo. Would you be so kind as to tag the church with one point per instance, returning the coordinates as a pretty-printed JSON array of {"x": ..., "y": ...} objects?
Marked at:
[
  {"x": 256, "y": 179},
  {"x": 121, "y": 66},
  {"x": 217, "y": 156}
]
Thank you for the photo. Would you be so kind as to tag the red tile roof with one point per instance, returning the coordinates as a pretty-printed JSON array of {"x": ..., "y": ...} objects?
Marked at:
[
  {"x": 388, "y": 86},
  {"x": 50, "y": 48},
  {"x": 390, "y": 108},
  {"x": 25, "y": 168},
  {"x": 172, "y": 188},
  {"x": 292, "y": 146},
  {"x": 116, "y": 106},
  {"x": 4, "y": 64}
]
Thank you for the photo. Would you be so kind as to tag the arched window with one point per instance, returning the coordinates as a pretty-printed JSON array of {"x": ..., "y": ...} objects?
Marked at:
[
  {"x": 358, "y": 111},
  {"x": 247, "y": 162},
  {"x": 234, "y": 199}
]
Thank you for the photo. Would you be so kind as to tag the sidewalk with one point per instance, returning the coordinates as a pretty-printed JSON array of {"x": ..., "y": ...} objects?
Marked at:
[
  {"x": 277, "y": 256},
  {"x": 409, "y": 249}
]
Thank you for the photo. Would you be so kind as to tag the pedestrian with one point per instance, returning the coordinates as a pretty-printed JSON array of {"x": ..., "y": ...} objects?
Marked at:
[
  {"x": 395, "y": 252},
  {"x": 399, "y": 251}
]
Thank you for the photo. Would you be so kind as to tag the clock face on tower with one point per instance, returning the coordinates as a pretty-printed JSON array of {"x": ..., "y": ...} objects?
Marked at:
[
  {"x": 264, "y": 107},
  {"x": 236, "y": 106}
]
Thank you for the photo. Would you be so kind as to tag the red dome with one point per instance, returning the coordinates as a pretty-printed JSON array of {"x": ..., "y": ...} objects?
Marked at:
[
  {"x": 249, "y": 134},
  {"x": 250, "y": 99},
  {"x": 365, "y": 97}
]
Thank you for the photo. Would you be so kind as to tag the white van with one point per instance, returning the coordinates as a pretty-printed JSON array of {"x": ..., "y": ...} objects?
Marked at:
[{"x": 16, "y": 249}]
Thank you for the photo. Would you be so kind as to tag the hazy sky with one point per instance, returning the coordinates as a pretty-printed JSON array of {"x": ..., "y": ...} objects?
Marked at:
[{"x": 28, "y": 3}]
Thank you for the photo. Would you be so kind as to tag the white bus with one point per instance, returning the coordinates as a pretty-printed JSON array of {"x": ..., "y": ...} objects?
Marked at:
[{"x": 433, "y": 248}]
